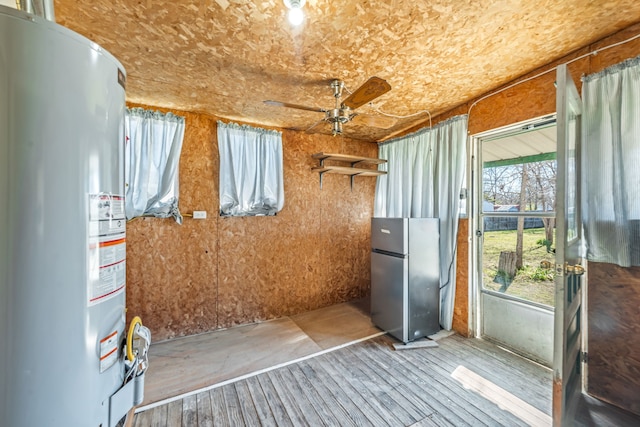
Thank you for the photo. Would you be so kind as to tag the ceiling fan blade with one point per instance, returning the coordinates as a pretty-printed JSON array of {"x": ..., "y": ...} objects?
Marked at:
[
  {"x": 382, "y": 122},
  {"x": 370, "y": 90},
  {"x": 309, "y": 130},
  {"x": 296, "y": 106}
]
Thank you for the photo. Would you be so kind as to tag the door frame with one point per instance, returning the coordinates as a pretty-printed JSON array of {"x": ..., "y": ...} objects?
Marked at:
[
  {"x": 570, "y": 331},
  {"x": 475, "y": 217}
]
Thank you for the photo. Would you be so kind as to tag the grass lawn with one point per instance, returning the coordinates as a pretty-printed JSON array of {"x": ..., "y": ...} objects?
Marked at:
[{"x": 531, "y": 282}]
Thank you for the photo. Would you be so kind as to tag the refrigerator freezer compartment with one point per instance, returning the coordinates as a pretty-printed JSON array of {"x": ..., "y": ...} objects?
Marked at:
[{"x": 390, "y": 235}]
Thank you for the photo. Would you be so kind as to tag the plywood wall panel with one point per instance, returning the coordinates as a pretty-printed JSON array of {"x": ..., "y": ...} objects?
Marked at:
[
  {"x": 219, "y": 272},
  {"x": 171, "y": 269},
  {"x": 617, "y": 54},
  {"x": 461, "y": 305},
  {"x": 527, "y": 100},
  {"x": 310, "y": 255},
  {"x": 255, "y": 277},
  {"x": 167, "y": 287},
  {"x": 457, "y": 111},
  {"x": 257, "y": 272},
  {"x": 613, "y": 330},
  {"x": 346, "y": 244}
]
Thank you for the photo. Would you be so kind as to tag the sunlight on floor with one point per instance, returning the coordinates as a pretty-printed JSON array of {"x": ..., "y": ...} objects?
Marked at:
[{"x": 505, "y": 400}]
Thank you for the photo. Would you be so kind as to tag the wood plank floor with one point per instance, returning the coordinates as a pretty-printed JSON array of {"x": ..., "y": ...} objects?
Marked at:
[
  {"x": 184, "y": 364},
  {"x": 460, "y": 382},
  {"x": 370, "y": 384}
]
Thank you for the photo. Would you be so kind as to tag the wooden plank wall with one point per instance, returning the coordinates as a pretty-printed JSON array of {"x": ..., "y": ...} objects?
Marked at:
[
  {"x": 614, "y": 328},
  {"x": 216, "y": 273}
]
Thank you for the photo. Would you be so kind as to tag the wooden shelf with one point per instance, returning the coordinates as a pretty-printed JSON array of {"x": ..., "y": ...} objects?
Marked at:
[
  {"x": 344, "y": 170},
  {"x": 354, "y": 160},
  {"x": 352, "y": 171}
]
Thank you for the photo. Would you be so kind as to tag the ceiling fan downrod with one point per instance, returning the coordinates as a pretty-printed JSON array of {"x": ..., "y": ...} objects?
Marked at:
[{"x": 340, "y": 114}]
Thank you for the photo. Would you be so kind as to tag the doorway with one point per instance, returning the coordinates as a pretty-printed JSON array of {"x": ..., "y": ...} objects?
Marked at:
[{"x": 514, "y": 237}]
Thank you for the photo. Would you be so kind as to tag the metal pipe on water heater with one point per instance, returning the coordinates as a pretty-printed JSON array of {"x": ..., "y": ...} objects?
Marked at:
[
  {"x": 25, "y": 5},
  {"x": 42, "y": 8}
]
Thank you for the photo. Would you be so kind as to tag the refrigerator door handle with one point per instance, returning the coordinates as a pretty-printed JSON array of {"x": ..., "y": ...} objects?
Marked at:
[{"x": 393, "y": 254}]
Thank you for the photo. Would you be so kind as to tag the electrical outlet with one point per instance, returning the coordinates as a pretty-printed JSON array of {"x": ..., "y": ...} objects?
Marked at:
[{"x": 199, "y": 214}]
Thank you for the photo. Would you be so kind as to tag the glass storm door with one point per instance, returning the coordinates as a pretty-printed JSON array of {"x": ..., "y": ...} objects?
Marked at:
[{"x": 568, "y": 327}]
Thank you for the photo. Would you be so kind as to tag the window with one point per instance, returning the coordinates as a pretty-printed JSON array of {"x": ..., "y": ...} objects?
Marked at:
[
  {"x": 251, "y": 177},
  {"x": 518, "y": 214},
  {"x": 153, "y": 147}
]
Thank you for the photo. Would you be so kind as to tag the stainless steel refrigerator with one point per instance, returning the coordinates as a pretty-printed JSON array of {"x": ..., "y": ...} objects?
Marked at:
[{"x": 405, "y": 276}]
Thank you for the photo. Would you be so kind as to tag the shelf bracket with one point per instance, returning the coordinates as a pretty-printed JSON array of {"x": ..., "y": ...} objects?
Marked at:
[
  {"x": 321, "y": 174},
  {"x": 352, "y": 179},
  {"x": 353, "y": 164}
]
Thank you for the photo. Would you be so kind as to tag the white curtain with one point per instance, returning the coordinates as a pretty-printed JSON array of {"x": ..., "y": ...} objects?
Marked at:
[
  {"x": 251, "y": 176},
  {"x": 153, "y": 146},
  {"x": 424, "y": 177},
  {"x": 611, "y": 164}
]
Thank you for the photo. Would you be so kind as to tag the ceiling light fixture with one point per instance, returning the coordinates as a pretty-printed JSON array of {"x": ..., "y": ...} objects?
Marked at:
[{"x": 295, "y": 15}]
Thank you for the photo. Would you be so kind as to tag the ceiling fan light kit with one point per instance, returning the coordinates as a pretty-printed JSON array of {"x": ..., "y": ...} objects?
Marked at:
[
  {"x": 343, "y": 111},
  {"x": 295, "y": 15}
]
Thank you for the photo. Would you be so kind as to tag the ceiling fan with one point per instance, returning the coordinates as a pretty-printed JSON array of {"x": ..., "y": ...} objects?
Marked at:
[{"x": 343, "y": 111}]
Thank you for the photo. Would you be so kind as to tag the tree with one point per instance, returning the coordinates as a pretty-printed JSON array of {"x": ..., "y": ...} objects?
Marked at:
[
  {"x": 543, "y": 176},
  {"x": 495, "y": 181},
  {"x": 500, "y": 185},
  {"x": 530, "y": 186},
  {"x": 523, "y": 204}
]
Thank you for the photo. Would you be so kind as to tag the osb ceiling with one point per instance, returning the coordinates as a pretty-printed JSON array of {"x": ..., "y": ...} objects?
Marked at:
[{"x": 225, "y": 57}]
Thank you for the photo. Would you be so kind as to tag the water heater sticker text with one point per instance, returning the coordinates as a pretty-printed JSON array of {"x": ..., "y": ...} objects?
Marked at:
[
  {"x": 107, "y": 247},
  {"x": 108, "y": 351}
]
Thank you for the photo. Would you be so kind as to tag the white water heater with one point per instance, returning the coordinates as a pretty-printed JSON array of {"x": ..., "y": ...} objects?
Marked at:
[{"x": 62, "y": 228}]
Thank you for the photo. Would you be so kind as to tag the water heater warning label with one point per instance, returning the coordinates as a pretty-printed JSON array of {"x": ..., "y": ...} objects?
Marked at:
[
  {"x": 108, "y": 351},
  {"x": 107, "y": 247}
]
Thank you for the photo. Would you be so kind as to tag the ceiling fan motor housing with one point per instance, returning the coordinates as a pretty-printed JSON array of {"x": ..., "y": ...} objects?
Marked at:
[{"x": 342, "y": 115}]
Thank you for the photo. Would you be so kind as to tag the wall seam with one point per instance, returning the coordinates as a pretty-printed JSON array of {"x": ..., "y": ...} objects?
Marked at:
[{"x": 215, "y": 126}]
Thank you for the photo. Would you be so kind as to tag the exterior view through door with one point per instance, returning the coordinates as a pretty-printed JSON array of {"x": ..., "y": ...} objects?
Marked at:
[{"x": 515, "y": 237}]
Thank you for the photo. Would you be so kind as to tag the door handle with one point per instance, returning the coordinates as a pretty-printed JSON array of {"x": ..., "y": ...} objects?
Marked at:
[
  {"x": 545, "y": 264},
  {"x": 577, "y": 269}
]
